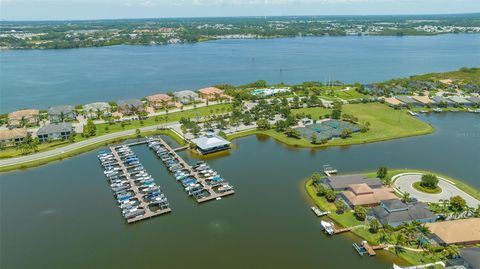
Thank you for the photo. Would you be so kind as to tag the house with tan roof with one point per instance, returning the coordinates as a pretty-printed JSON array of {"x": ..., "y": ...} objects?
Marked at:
[
  {"x": 391, "y": 101},
  {"x": 160, "y": 100},
  {"x": 26, "y": 117},
  {"x": 364, "y": 195},
  {"x": 212, "y": 93},
  {"x": 460, "y": 232},
  {"x": 422, "y": 99},
  {"x": 12, "y": 137}
]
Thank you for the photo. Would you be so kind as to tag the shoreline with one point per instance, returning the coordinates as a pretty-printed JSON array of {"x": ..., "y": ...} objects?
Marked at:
[
  {"x": 407, "y": 256},
  {"x": 88, "y": 148}
]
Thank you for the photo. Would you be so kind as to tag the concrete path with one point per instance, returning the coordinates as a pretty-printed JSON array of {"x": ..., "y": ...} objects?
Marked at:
[
  {"x": 404, "y": 183},
  {"x": 77, "y": 145}
]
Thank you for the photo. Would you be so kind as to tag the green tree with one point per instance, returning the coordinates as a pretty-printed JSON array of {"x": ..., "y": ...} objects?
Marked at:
[
  {"x": 451, "y": 251},
  {"x": 382, "y": 172},
  {"x": 429, "y": 181},
  {"x": 89, "y": 129},
  {"x": 340, "y": 205},
  {"x": 263, "y": 124},
  {"x": 313, "y": 138},
  {"x": 360, "y": 212},
  {"x": 374, "y": 226},
  {"x": 330, "y": 195},
  {"x": 346, "y": 133},
  {"x": 457, "y": 203}
]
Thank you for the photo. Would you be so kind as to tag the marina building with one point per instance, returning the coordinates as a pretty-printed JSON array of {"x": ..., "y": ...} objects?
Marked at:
[
  {"x": 56, "y": 131},
  {"x": 13, "y": 137},
  {"x": 129, "y": 107},
  {"x": 460, "y": 232},
  {"x": 61, "y": 113},
  {"x": 395, "y": 212},
  {"x": 96, "y": 110},
  {"x": 25, "y": 117},
  {"x": 211, "y": 143}
]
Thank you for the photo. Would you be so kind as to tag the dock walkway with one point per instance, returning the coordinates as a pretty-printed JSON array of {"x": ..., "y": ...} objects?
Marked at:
[
  {"x": 212, "y": 194},
  {"x": 138, "y": 195}
]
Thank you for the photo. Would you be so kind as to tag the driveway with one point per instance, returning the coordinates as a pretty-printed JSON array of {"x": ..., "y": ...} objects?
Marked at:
[{"x": 404, "y": 182}]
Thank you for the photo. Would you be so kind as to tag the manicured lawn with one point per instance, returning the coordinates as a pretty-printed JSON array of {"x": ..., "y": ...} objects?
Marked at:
[
  {"x": 385, "y": 123},
  {"x": 418, "y": 186},
  {"x": 172, "y": 117}
]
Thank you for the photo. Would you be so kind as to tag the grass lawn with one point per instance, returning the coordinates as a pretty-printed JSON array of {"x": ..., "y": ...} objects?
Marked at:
[
  {"x": 172, "y": 117},
  {"x": 385, "y": 124},
  {"x": 89, "y": 148},
  {"x": 418, "y": 186}
]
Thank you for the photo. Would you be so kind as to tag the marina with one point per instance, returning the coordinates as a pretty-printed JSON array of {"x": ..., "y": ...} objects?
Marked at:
[
  {"x": 199, "y": 181},
  {"x": 135, "y": 190}
]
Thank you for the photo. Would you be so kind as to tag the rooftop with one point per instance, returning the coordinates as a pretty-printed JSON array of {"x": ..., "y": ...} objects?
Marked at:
[
  {"x": 422, "y": 99},
  {"x": 210, "y": 91},
  {"x": 13, "y": 133},
  {"x": 405, "y": 99},
  {"x": 392, "y": 101},
  {"x": 399, "y": 212},
  {"x": 362, "y": 194},
  {"x": 55, "y": 128},
  {"x": 25, "y": 113},
  {"x": 344, "y": 181},
  {"x": 96, "y": 106},
  {"x": 159, "y": 98},
  {"x": 456, "y": 231},
  {"x": 472, "y": 256},
  {"x": 130, "y": 102},
  {"x": 210, "y": 141},
  {"x": 56, "y": 110}
]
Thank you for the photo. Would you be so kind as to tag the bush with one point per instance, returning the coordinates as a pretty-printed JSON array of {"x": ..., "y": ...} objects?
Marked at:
[
  {"x": 360, "y": 212},
  {"x": 330, "y": 195},
  {"x": 429, "y": 181}
]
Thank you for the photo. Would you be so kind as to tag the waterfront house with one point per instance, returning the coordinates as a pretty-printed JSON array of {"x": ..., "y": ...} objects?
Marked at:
[
  {"x": 407, "y": 100},
  {"x": 459, "y": 100},
  {"x": 341, "y": 183},
  {"x": 25, "y": 117},
  {"x": 474, "y": 100},
  {"x": 186, "y": 97},
  {"x": 129, "y": 107},
  {"x": 425, "y": 100},
  {"x": 211, "y": 143},
  {"x": 61, "y": 113},
  {"x": 371, "y": 89},
  {"x": 393, "y": 102},
  {"x": 363, "y": 195},
  {"x": 96, "y": 110},
  {"x": 395, "y": 212},
  {"x": 460, "y": 232},
  {"x": 212, "y": 93},
  {"x": 12, "y": 137},
  {"x": 160, "y": 101},
  {"x": 439, "y": 100},
  {"x": 469, "y": 258},
  {"x": 55, "y": 131}
]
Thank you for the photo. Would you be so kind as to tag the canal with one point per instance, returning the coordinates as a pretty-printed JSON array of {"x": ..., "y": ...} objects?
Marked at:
[{"x": 63, "y": 215}]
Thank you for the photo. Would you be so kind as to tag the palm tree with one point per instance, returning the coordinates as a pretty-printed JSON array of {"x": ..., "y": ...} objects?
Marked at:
[{"x": 405, "y": 197}]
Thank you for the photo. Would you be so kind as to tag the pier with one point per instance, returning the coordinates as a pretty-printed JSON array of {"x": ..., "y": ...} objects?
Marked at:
[
  {"x": 318, "y": 212},
  {"x": 329, "y": 170},
  {"x": 212, "y": 194},
  {"x": 366, "y": 248},
  {"x": 138, "y": 195}
]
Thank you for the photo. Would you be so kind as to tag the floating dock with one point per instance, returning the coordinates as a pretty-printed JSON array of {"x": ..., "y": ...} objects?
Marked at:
[
  {"x": 138, "y": 195},
  {"x": 318, "y": 212},
  {"x": 366, "y": 248},
  {"x": 212, "y": 194},
  {"x": 329, "y": 170}
]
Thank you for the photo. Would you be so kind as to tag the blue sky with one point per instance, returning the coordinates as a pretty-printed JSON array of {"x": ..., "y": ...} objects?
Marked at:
[{"x": 110, "y": 9}]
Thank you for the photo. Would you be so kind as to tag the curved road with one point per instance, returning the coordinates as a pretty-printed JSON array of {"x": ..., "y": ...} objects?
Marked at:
[
  {"x": 404, "y": 182},
  {"x": 74, "y": 146}
]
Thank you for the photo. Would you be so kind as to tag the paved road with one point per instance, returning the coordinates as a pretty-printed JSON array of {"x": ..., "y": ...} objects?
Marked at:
[
  {"x": 74, "y": 146},
  {"x": 404, "y": 183}
]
